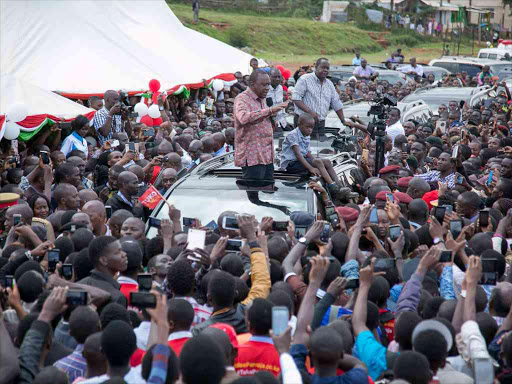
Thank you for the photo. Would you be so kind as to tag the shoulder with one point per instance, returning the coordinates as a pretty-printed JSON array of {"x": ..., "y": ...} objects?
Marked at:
[{"x": 355, "y": 374}]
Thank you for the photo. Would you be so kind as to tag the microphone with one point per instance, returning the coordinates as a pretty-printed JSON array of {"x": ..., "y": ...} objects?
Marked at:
[{"x": 270, "y": 103}]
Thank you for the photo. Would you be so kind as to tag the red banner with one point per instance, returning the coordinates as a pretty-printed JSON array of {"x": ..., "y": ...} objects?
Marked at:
[{"x": 150, "y": 198}]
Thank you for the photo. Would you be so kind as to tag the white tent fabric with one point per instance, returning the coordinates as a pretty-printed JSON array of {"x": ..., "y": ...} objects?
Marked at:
[
  {"x": 89, "y": 46},
  {"x": 39, "y": 101}
]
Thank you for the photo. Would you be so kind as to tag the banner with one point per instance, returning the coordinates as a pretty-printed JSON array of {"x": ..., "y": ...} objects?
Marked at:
[{"x": 150, "y": 198}]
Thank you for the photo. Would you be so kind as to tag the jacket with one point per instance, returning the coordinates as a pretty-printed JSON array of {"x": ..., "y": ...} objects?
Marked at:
[
  {"x": 260, "y": 287},
  {"x": 30, "y": 351},
  {"x": 117, "y": 203},
  {"x": 107, "y": 283}
]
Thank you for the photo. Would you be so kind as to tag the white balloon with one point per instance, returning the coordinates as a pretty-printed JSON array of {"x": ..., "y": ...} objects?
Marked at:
[
  {"x": 141, "y": 109},
  {"x": 218, "y": 85},
  {"x": 12, "y": 130},
  {"x": 17, "y": 112},
  {"x": 154, "y": 112}
]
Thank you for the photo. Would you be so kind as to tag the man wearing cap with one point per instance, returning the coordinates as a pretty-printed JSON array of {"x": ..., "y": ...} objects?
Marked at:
[
  {"x": 349, "y": 215},
  {"x": 390, "y": 175},
  {"x": 315, "y": 94},
  {"x": 403, "y": 201},
  {"x": 403, "y": 183},
  {"x": 365, "y": 72}
]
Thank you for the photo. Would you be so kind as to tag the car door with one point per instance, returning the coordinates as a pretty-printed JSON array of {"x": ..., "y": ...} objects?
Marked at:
[{"x": 416, "y": 110}]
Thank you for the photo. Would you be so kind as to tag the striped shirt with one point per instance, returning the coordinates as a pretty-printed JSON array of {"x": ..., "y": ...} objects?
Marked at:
[
  {"x": 201, "y": 312},
  {"x": 319, "y": 97},
  {"x": 73, "y": 365},
  {"x": 99, "y": 120},
  {"x": 433, "y": 176}
]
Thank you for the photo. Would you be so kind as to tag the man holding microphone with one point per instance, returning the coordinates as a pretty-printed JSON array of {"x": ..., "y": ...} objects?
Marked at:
[{"x": 254, "y": 142}]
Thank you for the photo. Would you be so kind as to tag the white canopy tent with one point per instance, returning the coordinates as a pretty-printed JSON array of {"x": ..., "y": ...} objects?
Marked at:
[
  {"x": 86, "y": 47},
  {"x": 39, "y": 101}
]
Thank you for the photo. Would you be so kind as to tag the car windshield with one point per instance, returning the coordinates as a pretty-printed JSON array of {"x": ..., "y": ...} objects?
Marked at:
[{"x": 206, "y": 204}]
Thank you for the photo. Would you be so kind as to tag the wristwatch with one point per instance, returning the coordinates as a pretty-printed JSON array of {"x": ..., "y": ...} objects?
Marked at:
[
  {"x": 438, "y": 240},
  {"x": 161, "y": 108},
  {"x": 29, "y": 255},
  {"x": 304, "y": 241}
]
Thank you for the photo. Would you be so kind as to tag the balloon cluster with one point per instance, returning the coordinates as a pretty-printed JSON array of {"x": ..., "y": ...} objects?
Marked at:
[
  {"x": 285, "y": 72},
  {"x": 217, "y": 85},
  {"x": 150, "y": 116},
  {"x": 16, "y": 113}
]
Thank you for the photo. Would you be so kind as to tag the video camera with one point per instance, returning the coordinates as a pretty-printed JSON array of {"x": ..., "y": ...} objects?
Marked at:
[
  {"x": 380, "y": 112},
  {"x": 345, "y": 143},
  {"x": 125, "y": 104}
]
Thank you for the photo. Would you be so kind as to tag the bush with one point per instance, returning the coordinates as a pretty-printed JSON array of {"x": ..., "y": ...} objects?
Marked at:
[{"x": 237, "y": 37}]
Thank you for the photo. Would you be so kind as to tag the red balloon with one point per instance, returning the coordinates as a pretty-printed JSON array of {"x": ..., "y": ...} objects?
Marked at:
[
  {"x": 154, "y": 85},
  {"x": 286, "y": 74},
  {"x": 158, "y": 122},
  {"x": 147, "y": 120},
  {"x": 155, "y": 97},
  {"x": 281, "y": 68}
]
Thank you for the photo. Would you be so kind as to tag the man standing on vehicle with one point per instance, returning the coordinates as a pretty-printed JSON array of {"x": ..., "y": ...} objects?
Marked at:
[
  {"x": 315, "y": 94},
  {"x": 412, "y": 68},
  {"x": 254, "y": 144},
  {"x": 276, "y": 93}
]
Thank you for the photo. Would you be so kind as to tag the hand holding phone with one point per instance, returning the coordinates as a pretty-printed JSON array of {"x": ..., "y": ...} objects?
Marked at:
[{"x": 280, "y": 318}]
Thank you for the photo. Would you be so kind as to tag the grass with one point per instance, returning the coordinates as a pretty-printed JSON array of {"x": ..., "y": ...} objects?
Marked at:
[{"x": 293, "y": 41}]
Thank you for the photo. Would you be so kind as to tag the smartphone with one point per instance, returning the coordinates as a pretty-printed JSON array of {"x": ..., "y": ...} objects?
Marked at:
[
  {"x": 148, "y": 132},
  {"x": 16, "y": 219},
  {"x": 145, "y": 282},
  {"x": 441, "y": 124},
  {"x": 115, "y": 143},
  {"x": 439, "y": 214},
  {"x": 448, "y": 209},
  {"x": 446, "y": 257},
  {"x": 394, "y": 232},
  {"x": 234, "y": 245},
  {"x": 460, "y": 180},
  {"x": 483, "y": 370},
  {"x": 76, "y": 298},
  {"x": 455, "y": 228},
  {"x": 202, "y": 107},
  {"x": 53, "y": 259},
  {"x": 352, "y": 284},
  {"x": 67, "y": 271},
  {"x": 142, "y": 300},
  {"x": 462, "y": 134},
  {"x": 455, "y": 152},
  {"x": 324, "y": 236},
  {"x": 484, "y": 219},
  {"x": 300, "y": 231},
  {"x": 45, "y": 157},
  {"x": 280, "y": 318},
  {"x": 108, "y": 211},
  {"x": 279, "y": 226},
  {"x": 154, "y": 222},
  {"x": 8, "y": 281},
  {"x": 229, "y": 222},
  {"x": 489, "y": 179},
  {"x": 374, "y": 217},
  {"x": 386, "y": 263},
  {"x": 365, "y": 155},
  {"x": 390, "y": 196},
  {"x": 489, "y": 274},
  {"x": 405, "y": 147},
  {"x": 196, "y": 239},
  {"x": 131, "y": 147},
  {"x": 189, "y": 222}
]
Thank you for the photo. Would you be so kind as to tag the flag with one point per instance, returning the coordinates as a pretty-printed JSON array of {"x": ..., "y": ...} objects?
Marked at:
[{"x": 150, "y": 198}]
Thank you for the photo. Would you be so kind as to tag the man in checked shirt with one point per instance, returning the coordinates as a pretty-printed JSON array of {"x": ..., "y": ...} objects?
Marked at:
[{"x": 316, "y": 95}]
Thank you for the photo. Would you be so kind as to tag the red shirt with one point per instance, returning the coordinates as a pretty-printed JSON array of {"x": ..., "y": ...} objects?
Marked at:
[
  {"x": 137, "y": 357},
  {"x": 177, "y": 340},
  {"x": 127, "y": 285},
  {"x": 258, "y": 354}
]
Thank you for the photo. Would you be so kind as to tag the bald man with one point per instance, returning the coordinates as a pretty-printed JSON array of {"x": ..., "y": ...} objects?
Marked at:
[
  {"x": 169, "y": 177},
  {"x": 66, "y": 197},
  {"x": 133, "y": 227},
  {"x": 82, "y": 218},
  {"x": 109, "y": 119},
  {"x": 126, "y": 198},
  {"x": 220, "y": 142},
  {"x": 417, "y": 188},
  {"x": 195, "y": 150},
  {"x": 96, "y": 212},
  {"x": 208, "y": 144},
  {"x": 86, "y": 195}
]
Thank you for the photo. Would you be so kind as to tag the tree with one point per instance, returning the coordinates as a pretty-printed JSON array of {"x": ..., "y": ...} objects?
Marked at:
[{"x": 509, "y": 3}]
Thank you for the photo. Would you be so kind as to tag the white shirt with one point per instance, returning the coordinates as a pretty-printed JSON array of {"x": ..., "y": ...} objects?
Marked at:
[
  {"x": 395, "y": 130},
  {"x": 142, "y": 333},
  {"x": 277, "y": 96},
  {"x": 418, "y": 69},
  {"x": 132, "y": 377}
]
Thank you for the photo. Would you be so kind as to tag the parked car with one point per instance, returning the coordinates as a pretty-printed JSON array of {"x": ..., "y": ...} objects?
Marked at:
[
  {"x": 471, "y": 65},
  {"x": 344, "y": 72},
  {"x": 438, "y": 72},
  {"x": 493, "y": 53}
]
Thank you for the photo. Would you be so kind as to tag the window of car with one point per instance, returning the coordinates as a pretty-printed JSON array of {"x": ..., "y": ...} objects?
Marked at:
[
  {"x": 471, "y": 69},
  {"x": 493, "y": 56},
  {"x": 482, "y": 56},
  {"x": 452, "y": 67}
]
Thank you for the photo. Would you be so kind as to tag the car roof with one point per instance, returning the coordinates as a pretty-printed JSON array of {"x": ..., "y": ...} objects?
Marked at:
[{"x": 465, "y": 60}]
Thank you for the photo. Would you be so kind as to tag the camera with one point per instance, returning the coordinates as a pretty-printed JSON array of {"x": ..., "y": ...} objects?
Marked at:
[
  {"x": 125, "y": 104},
  {"x": 345, "y": 143}
]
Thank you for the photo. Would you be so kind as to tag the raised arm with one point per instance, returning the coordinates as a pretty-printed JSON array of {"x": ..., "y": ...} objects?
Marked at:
[
  {"x": 472, "y": 278},
  {"x": 353, "y": 246}
]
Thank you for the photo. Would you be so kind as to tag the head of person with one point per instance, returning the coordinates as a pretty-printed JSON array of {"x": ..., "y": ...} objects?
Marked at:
[
  {"x": 86, "y": 195},
  {"x": 111, "y": 98},
  {"x": 159, "y": 265},
  {"x": 23, "y": 210},
  {"x": 412, "y": 60},
  {"x": 180, "y": 278},
  {"x": 128, "y": 184},
  {"x": 83, "y": 322},
  {"x": 133, "y": 227},
  {"x": 322, "y": 68},
  {"x": 50, "y": 375},
  {"x": 501, "y": 299},
  {"x": 118, "y": 342},
  {"x": 172, "y": 374},
  {"x": 417, "y": 188},
  {"x": 202, "y": 361},
  {"x": 418, "y": 149},
  {"x": 259, "y": 83},
  {"x": 413, "y": 367},
  {"x": 393, "y": 116},
  {"x": 40, "y": 205},
  {"x": 432, "y": 344},
  {"x": 68, "y": 173},
  {"x": 66, "y": 196},
  {"x": 106, "y": 254},
  {"x": 506, "y": 168},
  {"x": 80, "y": 125},
  {"x": 195, "y": 149},
  {"x": 82, "y": 218},
  {"x": 95, "y": 102},
  {"x": 503, "y": 189},
  {"x": 306, "y": 124},
  {"x": 404, "y": 328},
  {"x": 326, "y": 347},
  {"x": 275, "y": 77},
  {"x": 180, "y": 315},
  {"x": 468, "y": 204},
  {"x": 254, "y": 63},
  {"x": 390, "y": 175},
  {"x": 259, "y": 317},
  {"x": 133, "y": 252},
  {"x": 418, "y": 211},
  {"x": 221, "y": 290}
]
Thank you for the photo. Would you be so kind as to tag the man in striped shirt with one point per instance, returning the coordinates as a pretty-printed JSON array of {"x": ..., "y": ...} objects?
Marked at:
[
  {"x": 109, "y": 119},
  {"x": 316, "y": 95}
]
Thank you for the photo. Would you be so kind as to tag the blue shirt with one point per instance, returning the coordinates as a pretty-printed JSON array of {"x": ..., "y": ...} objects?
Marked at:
[
  {"x": 295, "y": 137},
  {"x": 356, "y": 61},
  {"x": 73, "y": 365},
  {"x": 372, "y": 353},
  {"x": 299, "y": 353}
]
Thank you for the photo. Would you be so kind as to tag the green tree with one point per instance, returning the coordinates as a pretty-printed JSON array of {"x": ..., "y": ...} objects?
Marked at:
[{"x": 509, "y": 3}]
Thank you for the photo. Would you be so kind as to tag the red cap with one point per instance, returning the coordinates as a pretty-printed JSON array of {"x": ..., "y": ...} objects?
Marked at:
[
  {"x": 404, "y": 181},
  {"x": 228, "y": 330},
  {"x": 431, "y": 198},
  {"x": 389, "y": 169},
  {"x": 348, "y": 214},
  {"x": 403, "y": 197},
  {"x": 382, "y": 196}
]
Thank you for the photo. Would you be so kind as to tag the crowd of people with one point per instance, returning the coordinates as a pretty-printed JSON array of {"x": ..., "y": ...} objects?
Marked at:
[{"x": 409, "y": 282}]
